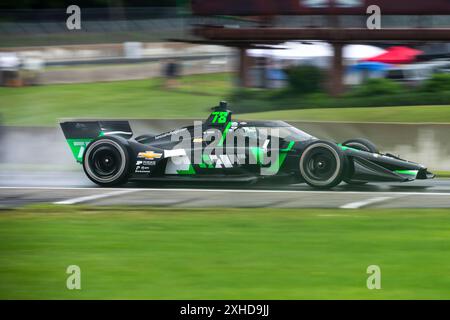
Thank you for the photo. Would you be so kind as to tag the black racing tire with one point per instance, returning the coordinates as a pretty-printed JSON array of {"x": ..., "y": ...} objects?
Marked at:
[
  {"x": 322, "y": 164},
  {"x": 106, "y": 161},
  {"x": 363, "y": 145}
]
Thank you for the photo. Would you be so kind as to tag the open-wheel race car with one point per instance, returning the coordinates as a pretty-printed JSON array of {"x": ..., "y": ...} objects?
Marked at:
[{"x": 110, "y": 156}]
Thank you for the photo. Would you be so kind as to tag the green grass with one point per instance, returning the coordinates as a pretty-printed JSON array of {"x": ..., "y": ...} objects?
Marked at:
[
  {"x": 224, "y": 254},
  {"x": 439, "y": 114},
  {"x": 442, "y": 173},
  {"x": 44, "y": 105}
]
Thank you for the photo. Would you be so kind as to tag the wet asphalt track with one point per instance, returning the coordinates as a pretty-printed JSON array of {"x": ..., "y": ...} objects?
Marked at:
[{"x": 21, "y": 188}]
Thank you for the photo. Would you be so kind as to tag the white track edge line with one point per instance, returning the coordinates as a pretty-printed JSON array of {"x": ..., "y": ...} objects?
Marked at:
[
  {"x": 94, "y": 197},
  {"x": 364, "y": 203}
]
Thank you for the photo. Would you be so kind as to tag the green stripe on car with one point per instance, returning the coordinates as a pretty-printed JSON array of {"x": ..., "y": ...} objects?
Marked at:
[{"x": 408, "y": 172}]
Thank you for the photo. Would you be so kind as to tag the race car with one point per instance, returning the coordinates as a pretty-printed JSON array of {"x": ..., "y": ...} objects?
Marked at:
[{"x": 221, "y": 149}]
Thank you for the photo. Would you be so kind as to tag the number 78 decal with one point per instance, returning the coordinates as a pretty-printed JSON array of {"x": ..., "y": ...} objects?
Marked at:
[{"x": 219, "y": 116}]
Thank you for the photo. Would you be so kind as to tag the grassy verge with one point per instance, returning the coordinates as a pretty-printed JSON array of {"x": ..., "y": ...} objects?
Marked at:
[
  {"x": 43, "y": 105},
  {"x": 419, "y": 114},
  {"x": 227, "y": 254},
  {"x": 442, "y": 174}
]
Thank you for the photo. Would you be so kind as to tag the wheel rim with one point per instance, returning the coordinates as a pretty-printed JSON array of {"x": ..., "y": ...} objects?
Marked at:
[
  {"x": 320, "y": 165},
  {"x": 104, "y": 161}
]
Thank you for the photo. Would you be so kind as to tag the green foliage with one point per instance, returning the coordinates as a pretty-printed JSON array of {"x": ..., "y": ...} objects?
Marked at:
[
  {"x": 439, "y": 82},
  {"x": 276, "y": 100},
  {"x": 376, "y": 87},
  {"x": 305, "y": 79},
  {"x": 373, "y": 93}
]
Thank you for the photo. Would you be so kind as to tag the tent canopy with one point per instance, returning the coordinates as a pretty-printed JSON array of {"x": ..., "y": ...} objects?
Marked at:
[
  {"x": 396, "y": 55},
  {"x": 298, "y": 50}
]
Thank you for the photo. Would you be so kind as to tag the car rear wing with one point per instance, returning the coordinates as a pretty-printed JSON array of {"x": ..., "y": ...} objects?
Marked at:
[{"x": 80, "y": 133}]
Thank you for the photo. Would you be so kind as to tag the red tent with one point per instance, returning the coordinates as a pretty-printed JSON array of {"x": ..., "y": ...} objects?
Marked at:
[{"x": 396, "y": 55}]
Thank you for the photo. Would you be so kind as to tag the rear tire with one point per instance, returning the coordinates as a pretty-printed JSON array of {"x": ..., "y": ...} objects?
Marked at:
[
  {"x": 322, "y": 164},
  {"x": 363, "y": 145},
  {"x": 106, "y": 161}
]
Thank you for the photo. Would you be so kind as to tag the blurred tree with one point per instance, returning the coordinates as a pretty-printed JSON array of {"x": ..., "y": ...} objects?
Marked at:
[
  {"x": 377, "y": 87},
  {"x": 439, "y": 82},
  {"x": 305, "y": 79}
]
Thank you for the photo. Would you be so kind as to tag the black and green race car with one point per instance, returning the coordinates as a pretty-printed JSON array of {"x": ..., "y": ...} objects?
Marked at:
[{"x": 220, "y": 149}]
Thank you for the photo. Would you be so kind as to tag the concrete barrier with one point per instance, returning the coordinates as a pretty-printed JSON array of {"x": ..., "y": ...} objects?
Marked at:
[{"x": 424, "y": 143}]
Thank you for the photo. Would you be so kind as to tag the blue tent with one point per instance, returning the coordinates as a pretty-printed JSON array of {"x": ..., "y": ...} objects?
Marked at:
[
  {"x": 276, "y": 74},
  {"x": 370, "y": 66}
]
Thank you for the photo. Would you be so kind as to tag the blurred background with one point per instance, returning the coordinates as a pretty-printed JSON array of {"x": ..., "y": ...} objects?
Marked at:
[{"x": 315, "y": 63}]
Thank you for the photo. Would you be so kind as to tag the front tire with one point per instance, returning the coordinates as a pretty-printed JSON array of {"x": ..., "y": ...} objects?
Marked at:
[
  {"x": 361, "y": 144},
  {"x": 106, "y": 161},
  {"x": 322, "y": 164}
]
